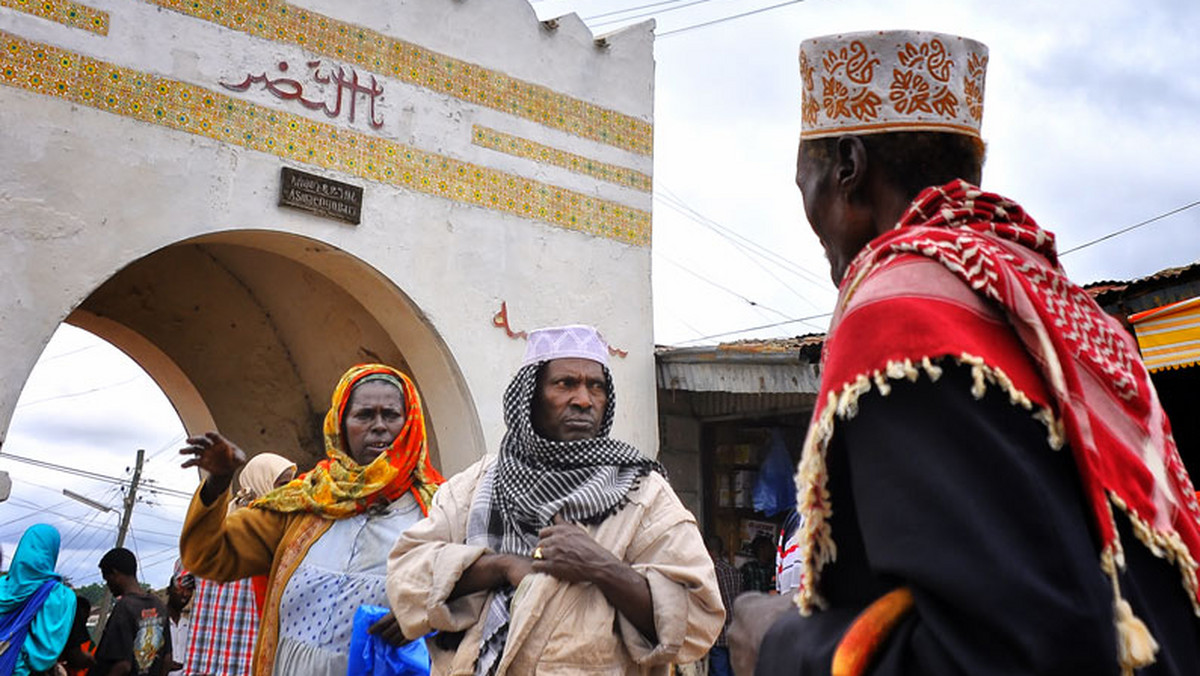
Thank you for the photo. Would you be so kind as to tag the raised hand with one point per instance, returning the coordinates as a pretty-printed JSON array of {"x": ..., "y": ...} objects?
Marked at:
[{"x": 216, "y": 455}]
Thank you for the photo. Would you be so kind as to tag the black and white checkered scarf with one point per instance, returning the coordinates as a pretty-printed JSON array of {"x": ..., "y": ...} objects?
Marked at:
[{"x": 534, "y": 479}]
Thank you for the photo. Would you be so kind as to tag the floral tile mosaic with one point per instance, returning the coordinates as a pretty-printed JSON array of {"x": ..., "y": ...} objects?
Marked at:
[
  {"x": 51, "y": 71},
  {"x": 65, "y": 12},
  {"x": 522, "y": 147},
  {"x": 279, "y": 21}
]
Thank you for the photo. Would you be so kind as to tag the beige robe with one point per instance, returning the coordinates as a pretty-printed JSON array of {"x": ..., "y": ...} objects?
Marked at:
[{"x": 557, "y": 627}]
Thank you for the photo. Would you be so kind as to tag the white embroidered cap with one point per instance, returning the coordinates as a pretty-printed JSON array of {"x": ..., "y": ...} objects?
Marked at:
[
  {"x": 564, "y": 342},
  {"x": 887, "y": 81}
]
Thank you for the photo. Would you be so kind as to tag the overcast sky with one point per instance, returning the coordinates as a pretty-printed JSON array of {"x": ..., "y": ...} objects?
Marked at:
[{"x": 1090, "y": 116}]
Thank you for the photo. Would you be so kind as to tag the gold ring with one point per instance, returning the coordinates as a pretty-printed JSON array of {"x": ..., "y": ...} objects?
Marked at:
[{"x": 537, "y": 553}]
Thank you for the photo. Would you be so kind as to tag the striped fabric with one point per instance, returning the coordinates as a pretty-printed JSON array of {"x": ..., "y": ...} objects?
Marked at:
[
  {"x": 729, "y": 582},
  {"x": 224, "y": 625},
  {"x": 1169, "y": 336},
  {"x": 535, "y": 478}
]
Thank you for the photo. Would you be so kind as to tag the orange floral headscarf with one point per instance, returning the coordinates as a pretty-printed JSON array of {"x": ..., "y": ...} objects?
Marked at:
[{"x": 338, "y": 486}]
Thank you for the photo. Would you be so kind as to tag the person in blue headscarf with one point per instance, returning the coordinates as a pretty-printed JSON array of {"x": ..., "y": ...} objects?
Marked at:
[{"x": 31, "y": 567}]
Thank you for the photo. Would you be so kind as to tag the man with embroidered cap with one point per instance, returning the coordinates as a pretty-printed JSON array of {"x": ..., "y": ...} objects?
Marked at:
[
  {"x": 989, "y": 484},
  {"x": 565, "y": 552}
]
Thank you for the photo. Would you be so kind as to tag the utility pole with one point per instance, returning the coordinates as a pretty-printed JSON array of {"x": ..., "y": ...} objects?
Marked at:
[{"x": 130, "y": 498}]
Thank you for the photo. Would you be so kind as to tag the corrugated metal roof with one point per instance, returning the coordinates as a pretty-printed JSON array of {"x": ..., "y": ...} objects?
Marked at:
[
  {"x": 746, "y": 378},
  {"x": 1112, "y": 292},
  {"x": 781, "y": 366},
  {"x": 725, "y": 405}
]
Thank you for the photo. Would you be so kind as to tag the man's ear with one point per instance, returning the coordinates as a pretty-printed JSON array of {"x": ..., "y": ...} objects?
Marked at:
[{"x": 851, "y": 167}]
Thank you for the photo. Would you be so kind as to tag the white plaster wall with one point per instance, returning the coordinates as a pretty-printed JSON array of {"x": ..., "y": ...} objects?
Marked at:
[{"x": 84, "y": 193}]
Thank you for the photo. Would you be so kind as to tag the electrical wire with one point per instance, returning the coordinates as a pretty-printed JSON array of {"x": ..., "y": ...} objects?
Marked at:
[
  {"x": 73, "y": 562},
  {"x": 72, "y": 395},
  {"x": 85, "y": 348},
  {"x": 646, "y": 14},
  {"x": 630, "y": 9},
  {"x": 173, "y": 443},
  {"x": 706, "y": 280},
  {"x": 88, "y": 475},
  {"x": 1135, "y": 226},
  {"x": 756, "y": 328},
  {"x": 669, "y": 196},
  {"x": 728, "y": 18},
  {"x": 751, "y": 255}
]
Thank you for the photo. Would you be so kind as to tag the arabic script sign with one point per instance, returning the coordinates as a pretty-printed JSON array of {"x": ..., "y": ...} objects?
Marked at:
[
  {"x": 321, "y": 196},
  {"x": 346, "y": 89}
]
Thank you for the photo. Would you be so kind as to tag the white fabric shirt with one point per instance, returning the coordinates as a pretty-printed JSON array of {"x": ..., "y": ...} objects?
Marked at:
[
  {"x": 179, "y": 640},
  {"x": 343, "y": 570}
]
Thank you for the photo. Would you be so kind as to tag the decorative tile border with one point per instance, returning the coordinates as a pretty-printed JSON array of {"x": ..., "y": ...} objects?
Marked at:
[
  {"x": 521, "y": 147},
  {"x": 65, "y": 12},
  {"x": 56, "y": 72},
  {"x": 282, "y": 22}
]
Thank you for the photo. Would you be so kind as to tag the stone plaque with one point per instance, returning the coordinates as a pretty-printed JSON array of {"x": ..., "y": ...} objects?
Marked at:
[{"x": 320, "y": 195}]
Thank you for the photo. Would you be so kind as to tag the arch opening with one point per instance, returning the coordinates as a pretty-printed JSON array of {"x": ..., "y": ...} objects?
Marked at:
[{"x": 248, "y": 331}]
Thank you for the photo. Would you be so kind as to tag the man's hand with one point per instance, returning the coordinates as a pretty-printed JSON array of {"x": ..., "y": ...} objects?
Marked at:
[
  {"x": 490, "y": 571},
  {"x": 569, "y": 553},
  {"x": 216, "y": 455},
  {"x": 388, "y": 629},
  {"x": 753, "y": 615}
]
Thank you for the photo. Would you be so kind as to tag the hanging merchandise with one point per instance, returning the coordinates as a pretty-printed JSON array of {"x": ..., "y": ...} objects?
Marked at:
[{"x": 775, "y": 490}]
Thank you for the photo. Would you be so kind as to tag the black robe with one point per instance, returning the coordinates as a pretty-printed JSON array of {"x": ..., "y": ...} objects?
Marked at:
[{"x": 964, "y": 501}]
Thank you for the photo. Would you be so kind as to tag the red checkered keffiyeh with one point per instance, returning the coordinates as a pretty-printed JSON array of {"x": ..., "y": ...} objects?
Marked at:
[
  {"x": 1079, "y": 373},
  {"x": 224, "y": 626}
]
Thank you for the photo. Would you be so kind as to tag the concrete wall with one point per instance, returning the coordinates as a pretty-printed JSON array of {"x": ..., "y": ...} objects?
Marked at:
[
  {"x": 680, "y": 453},
  {"x": 138, "y": 199}
]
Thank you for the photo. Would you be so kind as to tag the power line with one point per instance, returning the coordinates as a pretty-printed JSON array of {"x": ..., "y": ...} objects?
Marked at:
[
  {"x": 82, "y": 556},
  {"x": 674, "y": 201},
  {"x": 630, "y": 9},
  {"x": 168, "y": 446},
  {"x": 747, "y": 247},
  {"x": 71, "y": 395},
  {"x": 755, "y": 328},
  {"x": 749, "y": 257},
  {"x": 1135, "y": 226},
  {"x": 723, "y": 288},
  {"x": 39, "y": 510},
  {"x": 645, "y": 14},
  {"x": 62, "y": 355},
  {"x": 728, "y": 18},
  {"x": 89, "y": 475}
]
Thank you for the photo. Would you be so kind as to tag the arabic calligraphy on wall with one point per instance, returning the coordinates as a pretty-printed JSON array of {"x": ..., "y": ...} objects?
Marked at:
[
  {"x": 65, "y": 12},
  {"x": 60, "y": 73},
  {"x": 345, "y": 88},
  {"x": 280, "y": 21}
]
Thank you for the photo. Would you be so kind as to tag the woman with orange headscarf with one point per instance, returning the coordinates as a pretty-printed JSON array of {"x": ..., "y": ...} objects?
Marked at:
[{"x": 323, "y": 538}]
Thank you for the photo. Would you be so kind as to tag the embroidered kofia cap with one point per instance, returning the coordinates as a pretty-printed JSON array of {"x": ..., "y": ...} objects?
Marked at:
[
  {"x": 887, "y": 81},
  {"x": 564, "y": 342}
]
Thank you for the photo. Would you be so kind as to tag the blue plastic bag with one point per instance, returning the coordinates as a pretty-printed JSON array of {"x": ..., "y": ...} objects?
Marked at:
[
  {"x": 775, "y": 489},
  {"x": 372, "y": 656}
]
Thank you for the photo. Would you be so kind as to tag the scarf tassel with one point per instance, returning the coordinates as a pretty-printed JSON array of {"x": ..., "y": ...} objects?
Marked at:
[{"x": 1135, "y": 646}]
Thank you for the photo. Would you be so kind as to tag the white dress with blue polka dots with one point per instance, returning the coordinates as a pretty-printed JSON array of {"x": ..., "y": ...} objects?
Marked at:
[{"x": 342, "y": 570}]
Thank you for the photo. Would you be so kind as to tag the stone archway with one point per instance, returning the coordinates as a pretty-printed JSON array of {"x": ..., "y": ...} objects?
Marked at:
[{"x": 247, "y": 332}]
